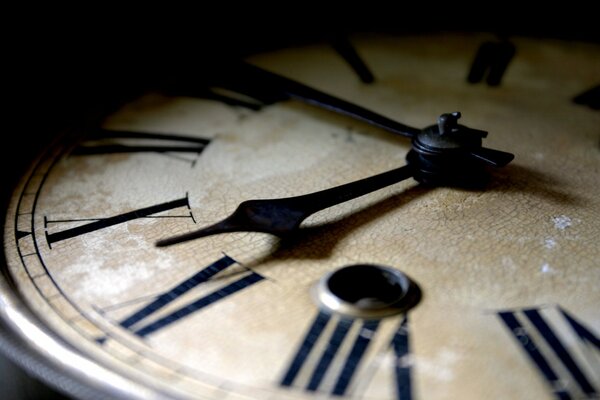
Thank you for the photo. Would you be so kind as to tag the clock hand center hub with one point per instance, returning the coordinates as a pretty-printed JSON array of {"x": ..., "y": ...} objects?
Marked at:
[{"x": 449, "y": 154}]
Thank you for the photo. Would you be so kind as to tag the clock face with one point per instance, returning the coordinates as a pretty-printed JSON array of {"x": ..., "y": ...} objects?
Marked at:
[{"x": 508, "y": 275}]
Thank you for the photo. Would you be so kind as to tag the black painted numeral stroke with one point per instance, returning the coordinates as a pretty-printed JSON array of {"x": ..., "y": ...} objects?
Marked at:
[
  {"x": 101, "y": 223},
  {"x": 343, "y": 367},
  {"x": 345, "y": 49},
  {"x": 204, "y": 91},
  {"x": 491, "y": 62},
  {"x": 138, "y": 321},
  {"x": 402, "y": 368},
  {"x": 568, "y": 375},
  {"x": 105, "y": 141}
]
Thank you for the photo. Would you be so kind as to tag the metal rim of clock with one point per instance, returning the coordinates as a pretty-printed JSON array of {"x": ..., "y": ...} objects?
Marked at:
[
  {"x": 26, "y": 340},
  {"x": 28, "y": 343}
]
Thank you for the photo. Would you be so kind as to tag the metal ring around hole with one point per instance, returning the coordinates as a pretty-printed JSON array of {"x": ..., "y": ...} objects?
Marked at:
[{"x": 329, "y": 301}]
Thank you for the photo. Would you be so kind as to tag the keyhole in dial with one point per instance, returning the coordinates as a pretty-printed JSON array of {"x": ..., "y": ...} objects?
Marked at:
[
  {"x": 366, "y": 286},
  {"x": 366, "y": 291}
]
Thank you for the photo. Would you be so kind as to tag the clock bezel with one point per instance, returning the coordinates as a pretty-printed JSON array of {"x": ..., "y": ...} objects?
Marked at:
[{"x": 54, "y": 368}]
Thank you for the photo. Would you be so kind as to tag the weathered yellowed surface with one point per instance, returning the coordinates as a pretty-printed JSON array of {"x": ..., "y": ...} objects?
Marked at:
[{"x": 530, "y": 239}]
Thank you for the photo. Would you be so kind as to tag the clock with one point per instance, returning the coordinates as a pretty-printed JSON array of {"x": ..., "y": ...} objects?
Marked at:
[{"x": 419, "y": 289}]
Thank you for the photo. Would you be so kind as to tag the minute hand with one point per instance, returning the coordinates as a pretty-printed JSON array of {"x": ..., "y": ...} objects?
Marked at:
[
  {"x": 283, "y": 216},
  {"x": 268, "y": 86}
]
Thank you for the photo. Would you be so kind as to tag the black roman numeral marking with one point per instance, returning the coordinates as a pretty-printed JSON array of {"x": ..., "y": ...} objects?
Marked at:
[
  {"x": 400, "y": 344},
  {"x": 313, "y": 334},
  {"x": 21, "y": 234},
  {"x": 345, "y": 49},
  {"x": 343, "y": 367},
  {"x": 104, "y": 141},
  {"x": 568, "y": 375},
  {"x": 216, "y": 94},
  {"x": 101, "y": 223},
  {"x": 590, "y": 98},
  {"x": 139, "y": 323},
  {"x": 492, "y": 59}
]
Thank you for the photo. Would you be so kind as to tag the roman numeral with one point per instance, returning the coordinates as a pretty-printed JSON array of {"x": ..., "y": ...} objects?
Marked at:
[
  {"x": 149, "y": 319},
  {"x": 104, "y": 141},
  {"x": 347, "y": 51},
  {"x": 590, "y": 98},
  {"x": 402, "y": 368},
  {"x": 334, "y": 348},
  {"x": 552, "y": 350},
  {"x": 21, "y": 234},
  {"x": 491, "y": 59},
  {"x": 101, "y": 223}
]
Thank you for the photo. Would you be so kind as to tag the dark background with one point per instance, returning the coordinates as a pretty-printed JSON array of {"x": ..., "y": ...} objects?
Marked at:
[{"x": 60, "y": 64}]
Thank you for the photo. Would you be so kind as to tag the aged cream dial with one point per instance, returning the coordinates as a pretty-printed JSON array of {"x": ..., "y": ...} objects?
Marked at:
[{"x": 508, "y": 274}]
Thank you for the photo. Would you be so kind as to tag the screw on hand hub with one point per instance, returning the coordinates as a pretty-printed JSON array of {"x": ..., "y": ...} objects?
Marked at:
[{"x": 448, "y": 123}]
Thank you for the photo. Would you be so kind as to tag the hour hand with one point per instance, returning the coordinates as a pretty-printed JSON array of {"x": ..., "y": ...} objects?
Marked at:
[
  {"x": 445, "y": 154},
  {"x": 282, "y": 217},
  {"x": 269, "y": 87}
]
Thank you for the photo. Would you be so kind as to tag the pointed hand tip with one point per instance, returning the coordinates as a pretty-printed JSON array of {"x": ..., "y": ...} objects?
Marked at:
[
  {"x": 169, "y": 241},
  {"x": 163, "y": 243},
  {"x": 493, "y": 157},
  {"x": 505, "y": 159}
]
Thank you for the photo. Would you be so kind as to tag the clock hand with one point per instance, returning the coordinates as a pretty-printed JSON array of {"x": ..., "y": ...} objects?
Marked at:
[
  {"x": 283, "y": 216},
  {"x": 446, "y": 154},
  {"x": 270, "y": 87}
]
